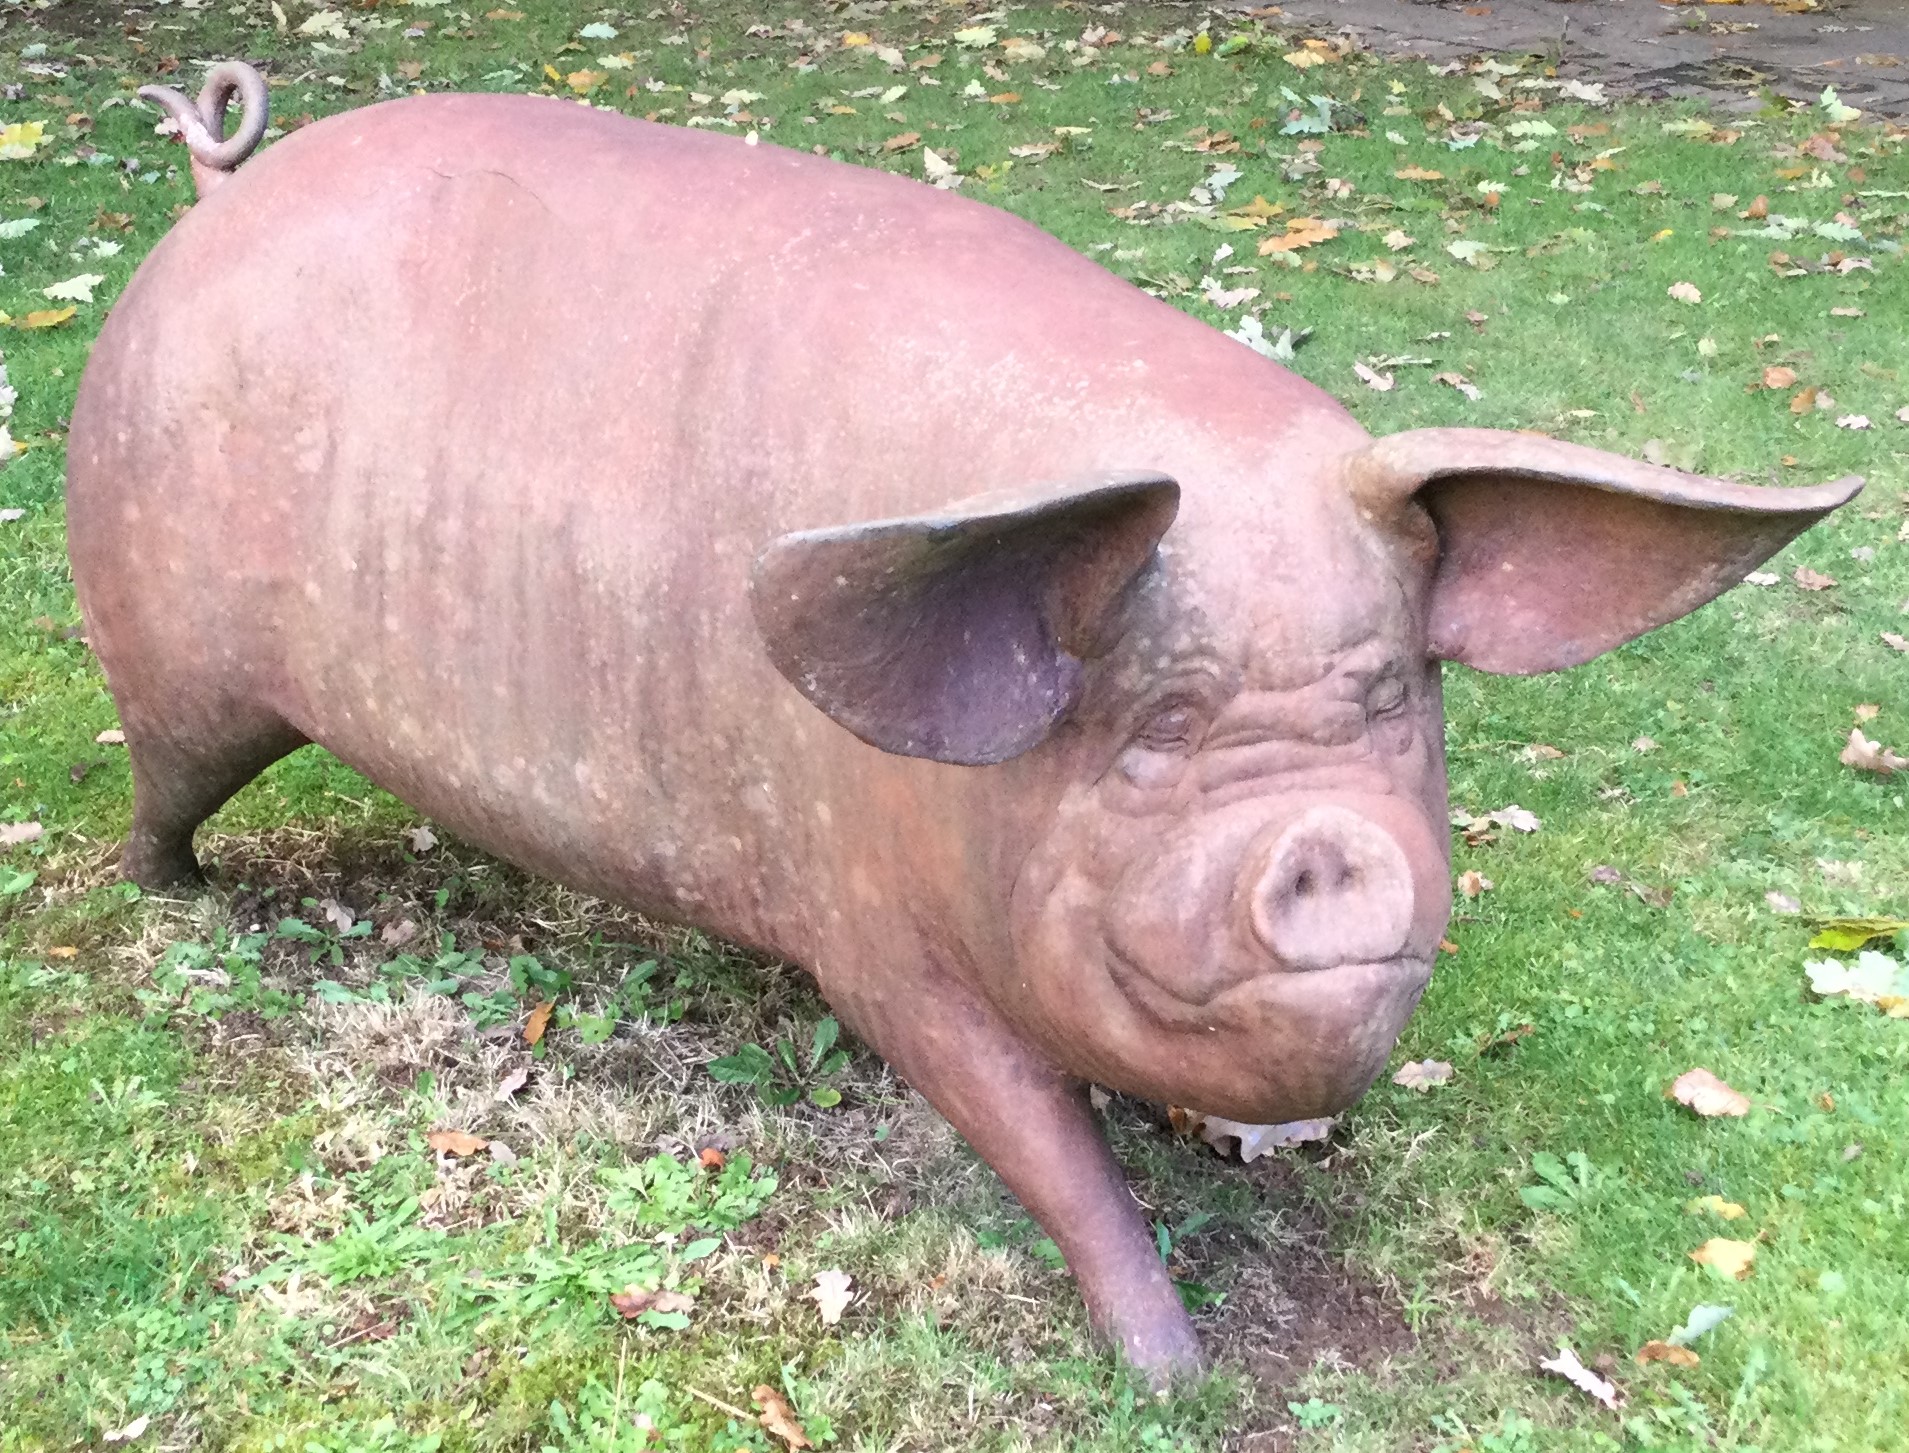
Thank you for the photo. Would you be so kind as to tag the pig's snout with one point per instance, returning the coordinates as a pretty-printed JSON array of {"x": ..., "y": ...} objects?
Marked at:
[{"x": 1329, "y": 888}]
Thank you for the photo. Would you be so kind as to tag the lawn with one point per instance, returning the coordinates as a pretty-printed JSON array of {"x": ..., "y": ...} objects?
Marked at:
[{"x": 281, "y": 1169}]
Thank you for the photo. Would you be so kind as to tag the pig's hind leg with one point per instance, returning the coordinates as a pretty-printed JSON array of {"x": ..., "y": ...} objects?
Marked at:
[{"x": 183, "y": 772}]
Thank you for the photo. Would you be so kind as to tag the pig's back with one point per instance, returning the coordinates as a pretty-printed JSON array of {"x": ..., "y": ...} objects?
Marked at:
[{"x": 456, "y": 424}]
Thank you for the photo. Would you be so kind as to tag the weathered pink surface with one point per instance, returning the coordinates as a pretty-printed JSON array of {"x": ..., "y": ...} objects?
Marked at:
[{"x": 451, "y": 434}]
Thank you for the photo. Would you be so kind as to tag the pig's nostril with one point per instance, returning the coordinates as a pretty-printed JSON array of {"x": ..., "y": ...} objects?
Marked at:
[{"x": 1333, "y": 888}]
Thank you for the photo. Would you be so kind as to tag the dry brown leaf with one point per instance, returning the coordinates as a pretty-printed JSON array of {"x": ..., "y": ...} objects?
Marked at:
[
  {"x": 1471, "y": 883},
  {"x": 902, "y": 141},
  {"x": 1666, "y": 1352},
  {"x": 512, "y": 1083},
  {"x": 64, "y": 951},
  {"x": 1685, "y": 292},
  {"x": 1895, "y": 642},
  {"x": 1733, "y": 1258},
  {"x": 831, "y": 1295},
  {"x": 1869, "y": 756},
  {"x": 456, "y": 1142},
  {"x": 1422, "y": 1074},
  {"x": 778, "y": 1418},
  {"x": 1809, "y": 579},
  {"x": 111, "y": 737},
  {"x": 1707, "y": 1095},
  {"x": 538, "y": 1022},
  {"x": 632, "y": 1302},
  {"x": 711, "y": 1158},
  {"x": 1778, "y": 377},
  {"x": 13, "y": 834},
  {"x": 1300, "y": 232},
  {"x": 1803, "y": 400}
]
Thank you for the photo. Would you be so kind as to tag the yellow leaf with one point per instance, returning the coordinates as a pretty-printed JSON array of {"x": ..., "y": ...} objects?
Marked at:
[
  {"x": 1418, "y": 174},
  {"x": 855, "y": 37},
  {"x": 1202, "y": 43},
  {"x": 48, "y": 318},
  {"x": 1007, "y": 98},
  {"x": 1732, "y": 1258},
  {"x": 65, "y": 951},
  {"x": 584, "y": 82},
  {"x": 551, "y": 73},
  {"x": 21, "y": 140},
  {"x": 1300, "y": 232},
  {"x": 1300, "y": 59},
  {"x": 538, "y": 1022},
  {"x": 1259, "y": 207},
  {"x": 1716, "y": 1206},
  {"x": 840, "y": 110},
  {"x": 1660, "y": 236}
]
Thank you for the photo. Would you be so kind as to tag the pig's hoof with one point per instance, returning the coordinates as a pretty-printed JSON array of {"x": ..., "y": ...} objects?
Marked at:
[
  {"x": 1164, "y": 1353},
  {"x": 160, "y": 870}
]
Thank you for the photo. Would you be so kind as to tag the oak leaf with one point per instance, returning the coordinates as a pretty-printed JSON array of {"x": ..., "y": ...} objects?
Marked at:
[
  {"x": 1422, "y": 1074},
  {"x": 1300, "y": 232},
  {"x": 778, "y": 1418},
  {"x": 1566, "y": 1365},
  {"x": 831, "y": 1295}
]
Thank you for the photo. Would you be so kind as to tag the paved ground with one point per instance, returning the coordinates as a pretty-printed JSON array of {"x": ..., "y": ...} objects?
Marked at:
[{"x": 1722, "y": 51}]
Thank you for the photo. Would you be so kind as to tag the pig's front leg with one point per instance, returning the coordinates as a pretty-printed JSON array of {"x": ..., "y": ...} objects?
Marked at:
[{"x": 1037, "y": 1130}]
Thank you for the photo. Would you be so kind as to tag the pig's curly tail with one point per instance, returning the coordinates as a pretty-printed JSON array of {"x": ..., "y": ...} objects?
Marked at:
[{"x": 202, "y": 123}]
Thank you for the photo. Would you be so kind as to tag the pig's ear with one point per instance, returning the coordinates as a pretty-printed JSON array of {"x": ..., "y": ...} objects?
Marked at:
[
  {"x": 958, "y": 635},
  {"x": 1549, "y": 554}
]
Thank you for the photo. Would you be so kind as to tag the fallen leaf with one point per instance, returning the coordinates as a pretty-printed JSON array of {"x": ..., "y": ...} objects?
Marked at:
[
  {"x": 1458, "y": 381},
  {"x": 1253, "y": 1140},
  {"x": 831, "y": 1295},
  {"x": 1895, "y": 642},
  {"x": 111, "y": 737},
  {"x": 1300, "y": 232},
  {"x": 902, "y": 141},
  {"x": 1803, "y": 400},
  {"x": 1846, "y": 935},
  {"x": 1715, "y": 1206},
  {"x": 1730, "y": 1258},
  {"x": 421, "y": 838},
  {"x": 133, "y": 1430},
  {"x": 502, "y": 1153},
  {"x": 21, "y": 139},
  {"x": 632, "y": 1302},
  {"x": 1853, "y": 421},
  {"x": 1847, "y": 313},
  {"x": 584, "y": 82},
  {"x": 1809, "y": 579},
  {"x": 1709, "y": 1096},
  {"x": 538, "y": 1022},
  {"x": 74, "y": 289},
  {"x": 1398, "y": 239},
  {"x": 1685, "y": 293},
  {"x": 1761, "y": 577},
  {"x": 1778, "y": 377},
  {"x": 711, "y": 1158},
  {"x": 13, "y": 834},
  {"x": 1379, "y": 382},
  {"x": 49, "y": 318},
  {"x": 512, "y": 1083},
  {"x": 1566, "y": 1365},
  {"x": 1868, "y": 756},
  {"x": 396, "y": 935},
  {"x": 1666, "y": 1352},
  {"x": 1418, "y": 174},
  {"x": 1471, "y": 883},
  {"x": 337, "y": 915},
  {"x": 1703, "y": 1318},
  {"x": 456, "y": 1142},
  {"x": 1875, "y": 978},
  {"x": 64, "y": 951},
  {"x": 1422, "y": 1074},
  {"x": 777, "y": 1416}
]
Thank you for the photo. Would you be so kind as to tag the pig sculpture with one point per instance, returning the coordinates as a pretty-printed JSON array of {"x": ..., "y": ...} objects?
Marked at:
[{"x": 850, "y": 570}]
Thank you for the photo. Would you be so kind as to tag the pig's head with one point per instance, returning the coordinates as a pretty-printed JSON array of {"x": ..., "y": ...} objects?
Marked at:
[{"x": 1238, "y": 880}]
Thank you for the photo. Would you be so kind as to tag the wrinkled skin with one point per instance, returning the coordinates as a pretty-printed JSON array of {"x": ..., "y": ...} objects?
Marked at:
[{"x": 540, "y": 464}]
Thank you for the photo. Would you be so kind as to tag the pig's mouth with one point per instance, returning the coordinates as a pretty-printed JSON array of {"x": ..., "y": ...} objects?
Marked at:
[{"x": 1349, "y": 990}]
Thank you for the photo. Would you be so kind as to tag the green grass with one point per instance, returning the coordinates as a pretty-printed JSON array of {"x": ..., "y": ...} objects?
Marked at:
[{"x": 218, "y": 1208}]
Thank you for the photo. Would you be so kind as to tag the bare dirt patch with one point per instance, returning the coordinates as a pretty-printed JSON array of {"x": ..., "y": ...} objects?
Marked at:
[{"x": 1724, "y": 54}]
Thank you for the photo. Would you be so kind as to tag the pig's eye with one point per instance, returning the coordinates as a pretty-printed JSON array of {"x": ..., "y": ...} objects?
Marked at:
[
  {"x": 1169, "y": 730},
  {"x": 1387, "y": 697}
]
